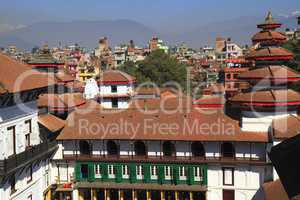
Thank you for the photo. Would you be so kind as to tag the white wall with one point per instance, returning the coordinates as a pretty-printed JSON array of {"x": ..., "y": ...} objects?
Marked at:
[
  {"x": 261, "y": 121},
  {"x": 35, "y": 187},
  {"x": 247, "y": 180},
  {"x": 14, "y": 116}
]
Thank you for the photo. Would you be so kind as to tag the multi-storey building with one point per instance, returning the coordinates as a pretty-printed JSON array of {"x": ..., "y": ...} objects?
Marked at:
[
  {"x": 24, "y": 151},
  {"x": 116, "y": 89},
  {"x": 187, "y": 161}
]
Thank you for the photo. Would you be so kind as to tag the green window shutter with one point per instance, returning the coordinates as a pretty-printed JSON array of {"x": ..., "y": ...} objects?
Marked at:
[
  {"x": 104, "y": 171},
  {"x": 132, "y": 174},
  {"x": 146, "y": 173},
  {"x": 77, "y": 172},
  {"x": 91, "y": 172},
  {"x": 176, "y": 174},
  {"x": 118, "y": 173},
  {"x": 191, "y": 179},
  {"x": 205, "y": 174},
  {"x": 161, "y": 174}
]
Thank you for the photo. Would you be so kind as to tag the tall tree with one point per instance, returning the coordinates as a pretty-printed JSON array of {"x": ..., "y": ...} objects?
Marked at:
[{"x": 159, "y": 68}]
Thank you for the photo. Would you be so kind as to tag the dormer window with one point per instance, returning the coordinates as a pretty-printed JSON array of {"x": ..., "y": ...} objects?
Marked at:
[{"x": 114, "y": 89}]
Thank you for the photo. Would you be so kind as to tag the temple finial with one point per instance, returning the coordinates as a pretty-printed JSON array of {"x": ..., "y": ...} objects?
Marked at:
[{"x": 269, "y": 18}]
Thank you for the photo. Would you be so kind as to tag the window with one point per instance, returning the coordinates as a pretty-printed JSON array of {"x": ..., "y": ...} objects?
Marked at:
[
  {"x": 11, "y": 132},
  {"x": 125, "y": 170},
  {"x": 29, "y": 175},
  {"x": 228, "y": 150},
  {"x": 153, "y": 171},
  {"x": 197, "y": 149},
  {"x": 27, "y": 131},
  {"x": 228, "y": 76},
  {"x": 111, "y": 171},
  {"x": 168, "y": 172},
  {"x": 169, "y": 149},
  {"x": 182, "y": 171},
  {"x": 139, "y": 170},
  {"x": 112, "y": 148},
  {"x": 84, "y": 147},
  {"x": 140, "y": 148},
  {"x": 114, "y": 89},
  {"x": 97, "y": 171},
  {"x": 84, "y": 171},
  {"x": 228, "y": 176},
  {"x": 114, "y": 103},
  {"x": 198, "y": 173}
]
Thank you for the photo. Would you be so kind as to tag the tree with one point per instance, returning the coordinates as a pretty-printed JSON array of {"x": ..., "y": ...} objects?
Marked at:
[
  {"x": 158, "y": 67},
  {"x": 294, "y": 47}
]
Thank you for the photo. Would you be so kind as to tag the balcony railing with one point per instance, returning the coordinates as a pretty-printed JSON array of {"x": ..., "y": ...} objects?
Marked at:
[
  {"x": 15, "y": 162},
  {"x": 166, "y": 159}
]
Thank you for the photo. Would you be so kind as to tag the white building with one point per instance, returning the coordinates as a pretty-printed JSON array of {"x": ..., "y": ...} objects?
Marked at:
[
  {"x": 116, "y": 89},
  {"x": 24, "y": 152}
]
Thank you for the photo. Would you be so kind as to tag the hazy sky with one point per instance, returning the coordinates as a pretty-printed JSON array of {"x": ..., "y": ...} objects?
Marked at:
[{"x": 159, "y": 14}]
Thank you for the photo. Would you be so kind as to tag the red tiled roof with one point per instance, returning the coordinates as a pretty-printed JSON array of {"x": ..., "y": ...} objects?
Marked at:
[
  {"x": 115, "y": 76},
  {"x": 51, "y": 122},
  {"x": 164, "y": 102},
  {"x": 267, "y": 98},
  {"x": 270, "y": 53},
  {"x": 265, "y": 36},
  {"x": 62, "y": 76},
  {"x": 65, "y": 101},
  {"x": 274, "y": 72},
  {"x": 208, "y": 126},
  {"x": 11, "y": 71},
  {"x": 275, "y": 191},
  {"x": 207, "y": 101},
  {"x": 286, "y": 127}
]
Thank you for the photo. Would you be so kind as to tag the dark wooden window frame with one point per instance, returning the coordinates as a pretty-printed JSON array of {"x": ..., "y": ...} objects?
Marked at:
[{"x": 232, "y": 177}]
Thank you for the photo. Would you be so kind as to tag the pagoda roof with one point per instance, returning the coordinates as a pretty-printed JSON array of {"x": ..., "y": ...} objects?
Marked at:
[
  {"x": 286, "y": 127},
  {"x": 269, "y": 53},
  {"x": 269, "y": 23},
  {"x": 271, "y": 73},
  {"x": 44, "y": 57},
  {"x": 270, "y": 37},
  {"x": 280, "y": 97}
]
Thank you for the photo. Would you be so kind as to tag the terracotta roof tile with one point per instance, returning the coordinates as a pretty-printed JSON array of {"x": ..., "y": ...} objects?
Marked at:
[
  {"x": 213, "y": 125},
  {"x": 51, "y": 122},
  {"x": 11, "y": 70},
  {"x": 286, "y": 127},
  {"x": 62, "y": 76},
  {"x": 270, "y": 72},
  {"x": 275, "y": 191},
  {"x": 210, "y": 101},
  {"x": 268, "y": 53},
  {"x": 65, "y": 101},
  {"x": 271, "y": 96},
  {"x": 115, "y": 76},
  {"x": 265, "y": 36}
]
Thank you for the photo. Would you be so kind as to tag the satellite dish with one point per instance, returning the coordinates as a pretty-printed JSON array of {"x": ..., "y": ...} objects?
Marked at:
[{"x": 91, "y": 89}]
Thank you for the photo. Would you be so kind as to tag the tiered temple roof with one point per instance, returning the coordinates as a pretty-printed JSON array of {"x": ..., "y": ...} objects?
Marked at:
[
  {"x": 270, "y": 78},
  {"x": 272, "y": 73},
  {"x": 45, "y": 59}
]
